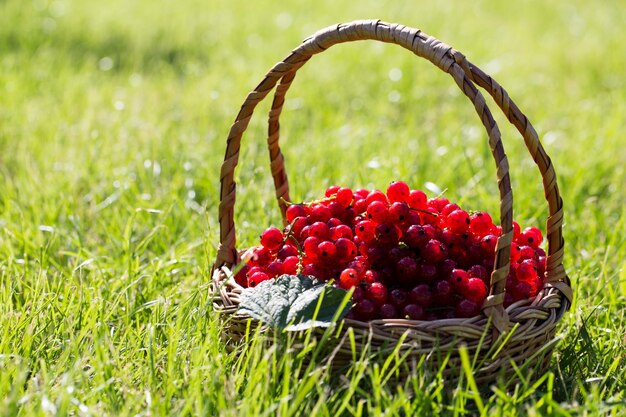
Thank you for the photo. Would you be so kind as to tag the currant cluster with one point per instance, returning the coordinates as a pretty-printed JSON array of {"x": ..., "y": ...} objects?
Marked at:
[{"x": 405, "y": 255}]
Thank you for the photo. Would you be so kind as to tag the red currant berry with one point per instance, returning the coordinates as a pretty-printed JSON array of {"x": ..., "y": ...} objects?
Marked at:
[
  {"x": 488, "y": 264},
  {"x": 527, "y": 270},
  {"x": 481, "y": 224},
  {"x": 365, "y": 310},
  {"x": 422, "y": 295},
  {"x": 272, "y": 238},
  {"x": 358, "y": 294},
  {"x": 516, "y": 252},
  {"x": 376, "y": 195},
  {"x": 512, "y": 276},
  {"x": 311, "y": 244},
  {"x": 377, "y": 292},
  {"x": 438, "y": 203},
  {"x": 241, "y": 275},
  {"x": 429, "y": 216},
  {"x": 434, "y": 251},
  {"x": 319, "y": 213},
  {"x": 360, "y": 205},
  {"x": 305, "y": 232},
  {"x": 387, "y": 234},
  {"x": 449, "y": 208},
  {"x": 333, "y": 222},
  {"x": 417, "y": 200},
  {"x": 388, "y": 311},
  {"x": 398, "y": 211},
  {"x": 398, "y": 297},
  {"x": 537, "y": 286},
  {"x": 290, "y": 265},
  {"x": 336, "y": 210},
  {"x": 332, "y": 190},
  {"x": 522, "y": 290},
  {"x": 345, "y": 249},
  {"x": 427, "y": 272},
  {"x": 377, "y": 211},
  {"x": 359, "y": 266},
  {"x": 526, "y": 252},
  {"x": 274, "y": 269},
  {"x": 466, "y": 308},
  {"x": 458, "y": 221},
  {"x": 350, "y": 315},
  {"x": 396, "y": 253},
  {"x": 411, "y": 219},
  {"x": 347, "y": 216},
  {"x": 257, "y": 278},
  {"x": 326, "y": 251},
  {"x": 388, "y": 274},
  {"x": 294, "y": 229},
  {"x": 261, "y": 256},
  {"x": 443, "y": 293},
  {"x": 407, "y": 269},
  {"x": 398, "y": 191},
  {"x": 413, "y": 312},
  {"x": 319, "y": 230},
  {"x": 475, "y": 290},
  {"x": 474, "y": 253},
  {"x": 254, "y": 269},
  {"x": 488, "y": 245},
  {"x": 341, "y": 231},
  {"x": 286, "y": 251},
  {"x": 365, "y": 230},
  {"x": 459, "y": 279},
  {"x": 531, "y": 236},
  {"x": 376, "y": 254},
  {"x": 417, "y": 236},
  {"x": 312, "y": 270},
  {"x": 372, "y": 276},
  {"x": 541, "y": 266},
  {"x": 361, "y": 193},
  {"x": 446, "y": 266},
  {"x": 295, "y": 210},
  {"x": 479, "y": 271},
  {"x": 344, "y": 196},
  {"x": 348, "y": 278},
  {"x": 449, "y": 238}
]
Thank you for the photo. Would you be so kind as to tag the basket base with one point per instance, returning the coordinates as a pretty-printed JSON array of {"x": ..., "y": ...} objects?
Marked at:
[{"x": 509, "y": 360}]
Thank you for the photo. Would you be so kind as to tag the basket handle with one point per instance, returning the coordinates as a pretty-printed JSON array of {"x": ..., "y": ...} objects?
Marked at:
[
  {"x": 422, "y": 45},
  {"x": 555, "y": 272}
]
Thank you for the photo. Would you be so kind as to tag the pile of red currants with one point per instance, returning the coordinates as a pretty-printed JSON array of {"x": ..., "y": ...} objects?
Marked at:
[{"x": 403, "y": 254}]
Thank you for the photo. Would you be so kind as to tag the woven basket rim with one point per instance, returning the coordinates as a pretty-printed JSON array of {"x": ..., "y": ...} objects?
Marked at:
[{"x": 226, "y": 291}]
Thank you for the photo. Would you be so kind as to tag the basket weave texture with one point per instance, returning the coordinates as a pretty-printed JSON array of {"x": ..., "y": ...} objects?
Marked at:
[{"x": 527, "y": 327}]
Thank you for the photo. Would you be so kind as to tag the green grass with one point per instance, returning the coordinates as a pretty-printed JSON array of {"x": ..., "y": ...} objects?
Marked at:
[{"x": 113, "y": 120}]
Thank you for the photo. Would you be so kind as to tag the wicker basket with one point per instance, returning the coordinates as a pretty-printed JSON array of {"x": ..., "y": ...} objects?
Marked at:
[{"x": 522, "y": 334}]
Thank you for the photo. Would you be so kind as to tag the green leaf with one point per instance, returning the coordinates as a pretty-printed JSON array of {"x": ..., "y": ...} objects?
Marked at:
[{"x": 294, "y": 302}]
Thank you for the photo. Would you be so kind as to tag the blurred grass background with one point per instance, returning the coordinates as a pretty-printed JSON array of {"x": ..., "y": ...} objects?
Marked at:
[{"x": 107, "y": 108}]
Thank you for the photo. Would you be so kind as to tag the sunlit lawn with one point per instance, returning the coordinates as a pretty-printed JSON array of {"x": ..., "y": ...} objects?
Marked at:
[{"x": 113, "y": 121}]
